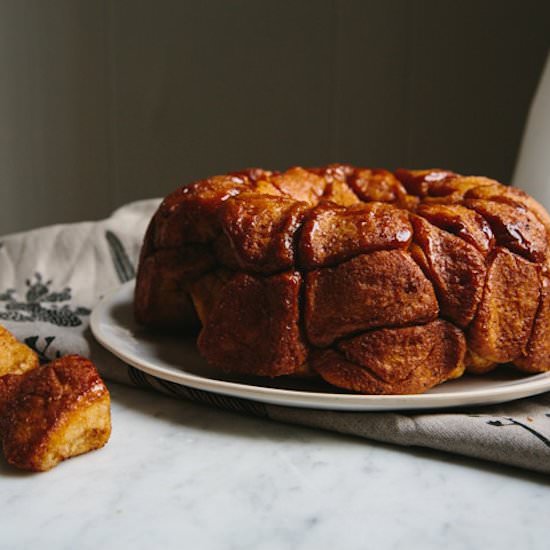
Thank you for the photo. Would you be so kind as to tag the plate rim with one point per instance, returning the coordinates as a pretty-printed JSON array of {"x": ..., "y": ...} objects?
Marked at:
[{"x": 532, "y": 385}]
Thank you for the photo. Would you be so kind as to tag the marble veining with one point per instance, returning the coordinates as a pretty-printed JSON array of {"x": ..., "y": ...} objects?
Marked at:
[{"x": 179, "y": 475}]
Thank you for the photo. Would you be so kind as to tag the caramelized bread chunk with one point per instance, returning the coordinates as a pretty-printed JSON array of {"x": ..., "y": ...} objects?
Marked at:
[
  {"x": 502, "y": 327},
  {"x": 161, "y": 297},
  {"x": 332, "y": 234},
  {"x": 395, "y": 361},
  {"x": 15, "y": 357},
  {"x": 511, "y": 195},
  {"x": 462, "y": 222},
  {"x": 53, "y": 413},
  {"x": 456, "y": 269},
  {"x": 453, "y": 190},
  {"x": 537, "y": 354},
  {"x": 253, "y": 328},
  {"x": 385, "y": 288},
  {"x": 302, "y": 185},
  {"x": 376, "y": 185},
  {"x": 337, "y": 189},
  {"x": 260, "y": 230},
  {"x": 514, "y": 227},
  {"x": 418, "y": 182},
  {"x": 9, "y": 384},
  {"x": 339, "y": 192},
  {"x": 189, "y": 214}
]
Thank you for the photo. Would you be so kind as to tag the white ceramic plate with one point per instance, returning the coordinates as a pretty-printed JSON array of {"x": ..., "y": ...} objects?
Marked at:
[{"x": 177, "y": 360}]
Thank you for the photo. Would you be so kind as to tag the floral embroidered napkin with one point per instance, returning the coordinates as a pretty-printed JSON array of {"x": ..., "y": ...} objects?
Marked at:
[{"x": 51, "y": 278}]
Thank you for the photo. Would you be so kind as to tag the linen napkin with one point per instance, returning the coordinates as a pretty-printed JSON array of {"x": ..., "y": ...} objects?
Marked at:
[{"x": 51, "y": 278}]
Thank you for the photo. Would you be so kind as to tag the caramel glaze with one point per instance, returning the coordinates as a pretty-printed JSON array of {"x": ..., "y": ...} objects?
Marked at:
[
  {"x": 36, "y": 404},
  {"x": 341, "y": 272}
]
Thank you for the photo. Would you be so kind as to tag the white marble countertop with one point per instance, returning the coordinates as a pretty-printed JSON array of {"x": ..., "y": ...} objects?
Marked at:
[{"x": 180, "y": 475}]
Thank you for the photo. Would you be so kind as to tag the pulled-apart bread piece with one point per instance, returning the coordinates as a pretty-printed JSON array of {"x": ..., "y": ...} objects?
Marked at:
[
  {"x": 252, "y": 325},
  {"x": 15, "y": 357},
  {"x": 381, "y": 289},
  {"x": 360, "y": 229},
  {"x": 504, "y": 322},
  {"x": 299, "y": 269},
  {"x": 260, "y": 231},
  {"x": 53, "y": 413},
  {"x": 388, "y": 361},
  {"x": 456, "y": 269}
]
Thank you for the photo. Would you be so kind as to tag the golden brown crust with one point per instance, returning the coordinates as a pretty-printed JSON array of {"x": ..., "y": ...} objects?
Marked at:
[
  {"x": 537, "y": 354},
  {"x": 9, "y": 384},
  {"x": 302, "y": 185},
  {"x": 418, "y": 182},
  {"x": 337, "y": 190},
  {"x": 360, "y": 229},
  {"x": 377, "y": 185},
  {"x": 462, "y": 222},
  {"x": 260, "y": 231},
  {"x": 310, "y": 257},
  {"x": 53, "y": 413},
  {"x": 15, "y": 357},
  {"x": 188, "y": 215},
  {"x": 456, "y": 269},
  {"x": 253, "y": 326},
  {"x": 453, "y": 190},
  {"x": 511, "y": 195},
  {"x": 514, "y": 227},
  {"x": 502, "y": 327},
  {"x": 388, "y": 361},
  {"x": 385, "y": 288}
]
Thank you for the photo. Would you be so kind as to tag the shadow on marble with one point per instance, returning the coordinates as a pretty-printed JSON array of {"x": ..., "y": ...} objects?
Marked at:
[
  {"x": 6, "y": 470},
  {"x": 202, "y": 417}
]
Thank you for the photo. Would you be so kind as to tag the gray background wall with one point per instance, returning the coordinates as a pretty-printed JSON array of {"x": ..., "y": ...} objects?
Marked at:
[{"x": 103, "y": 102}]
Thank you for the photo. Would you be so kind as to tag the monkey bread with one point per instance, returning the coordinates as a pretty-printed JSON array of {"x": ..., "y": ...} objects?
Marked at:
[{"x": 378, "y": 282}]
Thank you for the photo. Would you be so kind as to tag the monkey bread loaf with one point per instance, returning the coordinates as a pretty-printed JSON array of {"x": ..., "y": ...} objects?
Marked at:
[{"x": 378, "y": 282}]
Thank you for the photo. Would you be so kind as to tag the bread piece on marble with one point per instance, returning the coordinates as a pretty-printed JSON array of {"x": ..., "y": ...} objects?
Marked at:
[{"x": 53, "y": 413}]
